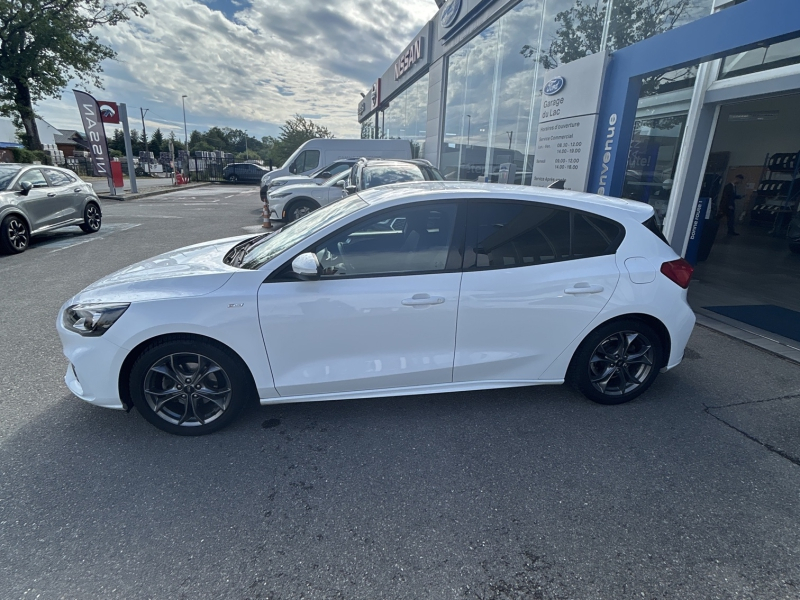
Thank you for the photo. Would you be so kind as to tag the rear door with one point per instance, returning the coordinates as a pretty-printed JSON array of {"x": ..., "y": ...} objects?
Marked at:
[{"x": 535, "y": 277}]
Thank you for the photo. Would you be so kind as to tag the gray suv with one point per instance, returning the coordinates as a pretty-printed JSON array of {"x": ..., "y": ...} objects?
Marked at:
[{"x": 37, "y": 198}]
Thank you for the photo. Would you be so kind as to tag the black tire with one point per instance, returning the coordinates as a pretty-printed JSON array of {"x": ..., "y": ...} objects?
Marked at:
[
  {"x": 795, "y": 248},
  {"x": 92, "y": 218},
  {"x": 165, "y": 389},
  {"x": 15, "y": 236},
  {"x": 233, "y": 178},
  {"x": 139, "y": 171},
  {"x": 300, "y": 208},
  {"x": 611, "y": 365}
]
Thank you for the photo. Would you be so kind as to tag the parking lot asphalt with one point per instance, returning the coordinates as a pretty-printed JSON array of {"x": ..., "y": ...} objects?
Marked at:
[{"x": 690, "y": 491}]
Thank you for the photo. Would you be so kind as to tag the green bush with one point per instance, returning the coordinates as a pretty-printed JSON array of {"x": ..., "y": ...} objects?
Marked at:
[{"x": 22, "y": 155}]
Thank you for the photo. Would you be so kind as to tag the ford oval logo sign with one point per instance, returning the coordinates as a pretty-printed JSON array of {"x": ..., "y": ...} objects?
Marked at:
[
  {"x": 554, "y": 86},
  {"x": 450, "y": 13}
]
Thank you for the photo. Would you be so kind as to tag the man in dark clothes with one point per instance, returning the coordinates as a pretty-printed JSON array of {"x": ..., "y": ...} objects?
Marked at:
[{"x": 727, "y": 203}]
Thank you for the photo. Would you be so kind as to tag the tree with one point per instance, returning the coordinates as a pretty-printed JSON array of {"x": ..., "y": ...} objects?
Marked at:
[
  {"x": 295, "y": 132},
  {"x": 46, "y": 43},
  {"x": 117, "y": 141},
  {"x": 157, "y": 145},
  {"x": 580, "y": 31}
]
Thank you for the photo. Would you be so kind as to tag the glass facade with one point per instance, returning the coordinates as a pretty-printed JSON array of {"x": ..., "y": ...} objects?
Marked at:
[
  {"x": 492, "y": 97},
  {"x": 761, "y": 59},
  {"x": 494, "y": 81},
  {"x": 406, "y": 117}
]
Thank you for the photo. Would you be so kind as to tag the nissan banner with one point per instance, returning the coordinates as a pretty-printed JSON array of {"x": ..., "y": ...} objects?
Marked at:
[{"x": 96, "y": 134}]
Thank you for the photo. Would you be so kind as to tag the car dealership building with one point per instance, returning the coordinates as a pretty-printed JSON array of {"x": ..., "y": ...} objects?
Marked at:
[{"x": 662, "y": 101}]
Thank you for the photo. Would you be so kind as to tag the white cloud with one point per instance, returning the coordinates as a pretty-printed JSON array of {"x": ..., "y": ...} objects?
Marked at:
[{"x": 272, "y": 60}]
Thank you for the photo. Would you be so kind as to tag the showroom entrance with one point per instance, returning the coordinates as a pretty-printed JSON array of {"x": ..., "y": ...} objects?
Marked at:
[{"x": 752, "y": 177}]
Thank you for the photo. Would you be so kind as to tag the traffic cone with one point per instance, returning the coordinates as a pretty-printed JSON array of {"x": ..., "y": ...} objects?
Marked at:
[{"x": 265, "y": 214}]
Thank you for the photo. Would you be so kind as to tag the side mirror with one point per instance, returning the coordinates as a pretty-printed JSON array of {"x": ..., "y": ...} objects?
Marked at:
[
  {"x": 293, "y": 168},
  {"x": 325, "y": 175},
  {"x": 26, "y": 186},
  {"x": 306, "y": 266},
  {"x": 341, "y": 183},
  {"x": 350, "y": 189}
]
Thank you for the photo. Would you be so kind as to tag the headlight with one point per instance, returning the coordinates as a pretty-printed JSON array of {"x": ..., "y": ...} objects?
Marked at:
[
  {"x": 280, "y": 194},
  {"x": 277, "y": 184},
  {"x": 93, "y": 320}
]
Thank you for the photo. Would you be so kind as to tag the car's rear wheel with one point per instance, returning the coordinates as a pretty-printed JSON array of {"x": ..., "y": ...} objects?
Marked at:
[
  {"x": 92, "y": 218},
  {"x": 14, "y": 235},
  {"x": 233, "y": 178},
  {"x": 300, "y": 208},
  {"x": 189, "y": 386},
  {"x": 617, "y": 362}
]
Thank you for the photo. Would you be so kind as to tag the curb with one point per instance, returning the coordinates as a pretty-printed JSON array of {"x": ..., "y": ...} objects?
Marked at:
[{"x": 157, "y": 192}]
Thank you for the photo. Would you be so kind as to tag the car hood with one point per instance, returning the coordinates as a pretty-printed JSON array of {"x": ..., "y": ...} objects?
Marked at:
[
  {"x": 297, "y": 188},
  {"x": 191, "y": 271},
  {"x": 287, "y": 180}
]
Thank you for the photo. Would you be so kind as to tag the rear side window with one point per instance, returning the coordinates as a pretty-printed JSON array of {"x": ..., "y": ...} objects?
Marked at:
[
  {"x": 517, "y": 234},
  {"x": 58, "y": 178}
]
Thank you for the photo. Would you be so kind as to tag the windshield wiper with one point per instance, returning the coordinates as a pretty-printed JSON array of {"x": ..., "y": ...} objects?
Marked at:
[
  {"x": 242, "y": 252},
  {"x": 235, "y": 253}
]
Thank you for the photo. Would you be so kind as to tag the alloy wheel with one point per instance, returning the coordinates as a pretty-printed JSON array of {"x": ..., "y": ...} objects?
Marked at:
[
  {"x": 17, "y": 234},
  {"x": 621, "y": 363},
  {"x": 93, "y": 217},
  {"x": 188, "y": 390}
]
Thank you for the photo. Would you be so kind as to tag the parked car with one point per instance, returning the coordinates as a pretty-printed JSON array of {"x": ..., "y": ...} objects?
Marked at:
[
  {"x": 408, "y": 289},
  {"x": 317, "y": 177},
  {"x": 294, "y": 201},
  {"x": 322, "y": 151},
  {"x": 236, "y": 172},
  {"x": 35, "y": 199}
]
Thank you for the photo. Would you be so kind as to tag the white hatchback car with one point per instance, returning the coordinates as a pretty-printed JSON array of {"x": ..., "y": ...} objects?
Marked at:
[
  {"x": 406, "y": 289},
  {"x": 291, "y": 202}
]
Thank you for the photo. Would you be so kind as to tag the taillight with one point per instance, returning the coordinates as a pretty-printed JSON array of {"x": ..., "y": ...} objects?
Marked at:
[{"x": 678, "y": 271}]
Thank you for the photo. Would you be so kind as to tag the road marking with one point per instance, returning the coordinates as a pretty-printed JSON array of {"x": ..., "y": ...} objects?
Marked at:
[{"x": 70, "y": 242}]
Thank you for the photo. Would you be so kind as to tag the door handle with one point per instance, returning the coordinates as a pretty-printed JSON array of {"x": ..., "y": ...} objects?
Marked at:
[
  {"x": 77, "y": 190},
  {"x": 422, "y": 300},
  {"x": 51, "y": 195},
  {"x": 583, "y": 288}
]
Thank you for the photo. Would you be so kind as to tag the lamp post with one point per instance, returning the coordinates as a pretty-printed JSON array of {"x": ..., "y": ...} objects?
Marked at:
[
  {"x": 185, "y": 135},
  {"x": 246, "y": 152}
]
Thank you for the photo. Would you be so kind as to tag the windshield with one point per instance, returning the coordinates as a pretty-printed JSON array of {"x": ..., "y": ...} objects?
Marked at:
[
  {"x": 336, "y": 179},
  {"x": 391, "y": 173},
  {"x": 7, "y": 174},
  {"x": 298, "y": 231}
]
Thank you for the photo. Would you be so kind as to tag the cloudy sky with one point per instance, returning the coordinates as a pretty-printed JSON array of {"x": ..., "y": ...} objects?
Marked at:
[{"x": 250, "y": 64}]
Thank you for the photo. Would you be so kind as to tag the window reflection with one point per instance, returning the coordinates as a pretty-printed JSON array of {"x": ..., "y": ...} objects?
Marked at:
[
  {"x": 406, "y": 117},
  {"x": 761, "y": 59}
]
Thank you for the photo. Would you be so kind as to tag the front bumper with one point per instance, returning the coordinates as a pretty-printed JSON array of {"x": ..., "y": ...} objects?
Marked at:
[{"x": 93, "y": 372}]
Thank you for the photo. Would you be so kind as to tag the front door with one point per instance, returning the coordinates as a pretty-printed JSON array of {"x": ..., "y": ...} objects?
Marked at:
[
  {"x": 383, "y": 315},
  {"x": 536, "y": 277},
  {"x": 40, "y": 203}
]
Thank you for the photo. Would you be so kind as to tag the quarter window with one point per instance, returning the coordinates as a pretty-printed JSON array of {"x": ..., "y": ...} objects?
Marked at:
[{"x": 412, "y": 239}]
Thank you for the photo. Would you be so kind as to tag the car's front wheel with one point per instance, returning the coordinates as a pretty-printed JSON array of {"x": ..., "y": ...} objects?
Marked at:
[
  {"x": 300, "y": 208},
  {"x": 92, "y": 218},
  {"x": 188, "y": 386},
  {"x": 14, "y": 235},
  {"x": 617, "y": 362},
  {"x": 233, "y": 178}
]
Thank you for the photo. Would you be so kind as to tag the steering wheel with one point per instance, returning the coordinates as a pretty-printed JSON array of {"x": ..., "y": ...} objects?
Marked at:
[{"x": 349, "y": 269}]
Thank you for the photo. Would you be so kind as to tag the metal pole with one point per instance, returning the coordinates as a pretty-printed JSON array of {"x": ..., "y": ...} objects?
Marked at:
[
  {"x": 246, "y": 153},
  {"x": 185, "y": 135},
  {"x": 123, "y": 116}
]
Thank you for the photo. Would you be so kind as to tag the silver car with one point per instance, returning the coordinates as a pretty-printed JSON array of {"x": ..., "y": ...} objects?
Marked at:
[{"x": 37, "y": 198}]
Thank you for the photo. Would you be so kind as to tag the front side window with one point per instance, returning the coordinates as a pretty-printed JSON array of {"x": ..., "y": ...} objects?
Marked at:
[
  {"x": 308, "y": 159},
  {"x": 34, "y": 176},
  {"x": 412, "y": 239},
  {"x": 297, "y": 231},
  {"x": 7, "y": 174}
]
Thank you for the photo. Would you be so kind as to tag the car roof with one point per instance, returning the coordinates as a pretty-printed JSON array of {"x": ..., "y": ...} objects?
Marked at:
[{"x": 452, "y": 190}]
